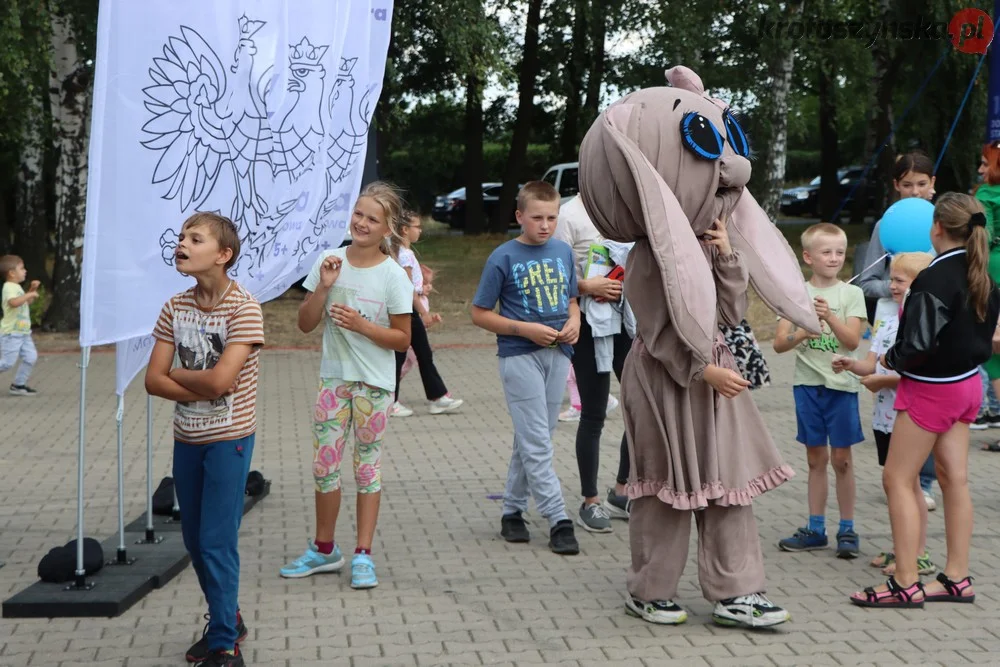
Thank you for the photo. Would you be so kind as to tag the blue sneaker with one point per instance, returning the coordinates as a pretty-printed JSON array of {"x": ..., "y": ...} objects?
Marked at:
[
  {"x": 312, "y": 562},
  {"x": 363, "y": 572},
  {"x": 804, "y": 540},
  {"x": 848, "y": 544}
]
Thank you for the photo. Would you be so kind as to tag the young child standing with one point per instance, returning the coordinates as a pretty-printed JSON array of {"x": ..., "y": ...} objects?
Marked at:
[
  {"x": 946, "y": 330},
  {"x": 882, "y": 382},
  {"x": 435, "y": 390},
  {"x": 826, "y": 403},
  {"x": 364, "y": 299},
  {"x": 534, "y": 279},
  {"x": 15, "y": 327},
  {"x": 216, "y": 328}
]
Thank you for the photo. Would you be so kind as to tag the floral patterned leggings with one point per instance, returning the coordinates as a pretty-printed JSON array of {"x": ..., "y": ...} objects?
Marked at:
[{"x": 340, "y": 407}]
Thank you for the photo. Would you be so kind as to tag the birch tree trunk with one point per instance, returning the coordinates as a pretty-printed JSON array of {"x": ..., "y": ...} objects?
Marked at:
[
  {"x": 781, "y": 83},
  {"x": 70, "y": 88},
  {"x": 31, "y": 225}
]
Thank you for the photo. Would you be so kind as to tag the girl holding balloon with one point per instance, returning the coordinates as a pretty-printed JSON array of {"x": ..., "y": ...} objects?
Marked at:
[{"x": 904, "y": 228}]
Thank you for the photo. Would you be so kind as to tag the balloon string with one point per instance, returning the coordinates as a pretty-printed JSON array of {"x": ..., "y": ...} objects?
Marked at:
[{"x": 868, "y": 267}]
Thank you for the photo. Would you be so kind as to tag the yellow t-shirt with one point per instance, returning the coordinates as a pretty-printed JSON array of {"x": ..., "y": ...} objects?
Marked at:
[
  {"x": 814, "y": 358},
  {"x": 15, "y": 320}
]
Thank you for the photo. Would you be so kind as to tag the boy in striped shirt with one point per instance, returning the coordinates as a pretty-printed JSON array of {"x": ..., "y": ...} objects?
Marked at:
[{"x": 216, "y": 328}]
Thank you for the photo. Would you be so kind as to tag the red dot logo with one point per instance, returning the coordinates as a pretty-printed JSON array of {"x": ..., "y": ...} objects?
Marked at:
[{"x": 971, "y": 30}]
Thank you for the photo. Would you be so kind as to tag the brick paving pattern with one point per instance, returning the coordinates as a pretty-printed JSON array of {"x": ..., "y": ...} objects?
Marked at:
[{"x": 451, "y": 591}]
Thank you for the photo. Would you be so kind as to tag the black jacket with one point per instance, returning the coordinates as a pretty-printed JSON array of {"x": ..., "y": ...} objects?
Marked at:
[{"x": 940, "y": 339}]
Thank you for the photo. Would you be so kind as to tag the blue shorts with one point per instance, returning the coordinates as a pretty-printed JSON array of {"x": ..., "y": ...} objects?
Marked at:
[{"x": 827, "y": 416}]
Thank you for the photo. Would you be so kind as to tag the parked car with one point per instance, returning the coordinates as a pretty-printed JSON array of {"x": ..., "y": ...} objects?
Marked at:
[
  {"x": 450, "y": 208},
  {"x": 565, "y": 179},
  {"x": 804, "y": 199}
]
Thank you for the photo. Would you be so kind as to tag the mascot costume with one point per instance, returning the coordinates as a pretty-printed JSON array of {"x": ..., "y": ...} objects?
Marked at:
[{"x": 666, "y": 168}]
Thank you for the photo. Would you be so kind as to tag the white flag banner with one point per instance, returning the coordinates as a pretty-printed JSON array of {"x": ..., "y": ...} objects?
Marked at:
[
  {"x": 255, "y": 109},
  {"x": 130, "y": 356}
]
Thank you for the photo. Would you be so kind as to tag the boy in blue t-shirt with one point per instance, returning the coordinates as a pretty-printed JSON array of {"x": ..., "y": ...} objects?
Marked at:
[{"x": 534, "y": 280}]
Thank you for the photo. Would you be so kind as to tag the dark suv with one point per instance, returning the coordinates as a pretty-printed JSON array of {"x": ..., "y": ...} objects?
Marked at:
[{"x": 450, "y": 208}]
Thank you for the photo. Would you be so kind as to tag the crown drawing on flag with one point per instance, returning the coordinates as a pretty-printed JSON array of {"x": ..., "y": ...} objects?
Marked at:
[
  {"x": 305, "y": 54},
  {"x": 249, "y": 27},
  {"x": 347, "y": 66}
]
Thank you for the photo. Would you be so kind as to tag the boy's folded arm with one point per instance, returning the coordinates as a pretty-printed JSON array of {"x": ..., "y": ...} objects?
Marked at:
[
  {"x": 158, "y": 380},
  {"x": 215, "y": 382}
]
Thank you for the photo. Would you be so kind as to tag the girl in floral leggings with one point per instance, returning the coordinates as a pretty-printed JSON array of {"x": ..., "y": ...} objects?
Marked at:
[{"x": 364, "y": 299}]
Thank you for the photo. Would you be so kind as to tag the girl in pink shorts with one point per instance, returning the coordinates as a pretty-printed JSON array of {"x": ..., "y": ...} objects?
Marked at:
[{"x": 945, "y": 333}]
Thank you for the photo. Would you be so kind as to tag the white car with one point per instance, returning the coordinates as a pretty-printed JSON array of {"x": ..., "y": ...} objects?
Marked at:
[{"x": 565, "y": 179}]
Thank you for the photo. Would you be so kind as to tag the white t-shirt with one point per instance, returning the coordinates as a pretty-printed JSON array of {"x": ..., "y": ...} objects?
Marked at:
[
  {"x": 408, "y": 260},
  {"x": 884, "y": 415},
  {"x": 576, "y": 228},
  {"x": 376, "y": 292}
]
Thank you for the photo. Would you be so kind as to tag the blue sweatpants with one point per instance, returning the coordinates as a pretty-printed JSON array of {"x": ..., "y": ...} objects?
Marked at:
[{"x": 210, "y": 481}]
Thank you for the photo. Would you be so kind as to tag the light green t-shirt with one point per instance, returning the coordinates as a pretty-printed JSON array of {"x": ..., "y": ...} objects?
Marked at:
[
  {"x": 813, "y": 358},
  {"x": 15, "y": 320},
  {"x": 376, "y": 292}
]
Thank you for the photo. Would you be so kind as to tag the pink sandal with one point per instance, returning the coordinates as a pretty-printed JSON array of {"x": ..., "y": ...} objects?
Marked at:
[
  {"x": 893, "y": 598},
  {"x": 953, "y": 590}
]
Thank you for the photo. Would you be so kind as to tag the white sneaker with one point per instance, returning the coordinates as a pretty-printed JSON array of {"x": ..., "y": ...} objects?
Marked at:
[
  {"x": 570, "y": 414},
  {"x": 749, "y": 611},
  {"x": 931, "y": 502},
  {"x": 661, "y": 612},
  {"x": 445, "y": 404},
  {"x": 399, "y": 410},
  {"x": 612, "y": 404}
]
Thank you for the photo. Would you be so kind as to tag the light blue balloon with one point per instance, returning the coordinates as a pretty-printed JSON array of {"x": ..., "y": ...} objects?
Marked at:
[{"x": 906, "y": 226}]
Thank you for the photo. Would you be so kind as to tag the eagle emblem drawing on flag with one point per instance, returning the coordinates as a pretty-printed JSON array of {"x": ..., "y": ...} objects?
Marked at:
[{"x": 213, "y": 123}]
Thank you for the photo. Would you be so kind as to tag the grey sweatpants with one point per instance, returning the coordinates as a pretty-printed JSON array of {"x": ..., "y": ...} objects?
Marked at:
[{"x": 534, "y": 385}]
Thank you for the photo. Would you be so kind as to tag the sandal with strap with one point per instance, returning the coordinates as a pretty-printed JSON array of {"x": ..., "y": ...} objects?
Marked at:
[
  {"x": 953, "y": 590},
  {"x": 892, "y": 598},
  {"x": 884, "y": 559}
]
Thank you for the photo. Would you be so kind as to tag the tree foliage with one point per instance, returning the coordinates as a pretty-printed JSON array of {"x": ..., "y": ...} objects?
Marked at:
[{"x": 450, "y": 102}]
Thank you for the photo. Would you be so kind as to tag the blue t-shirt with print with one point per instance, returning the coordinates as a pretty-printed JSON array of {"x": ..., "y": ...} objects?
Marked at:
[{"x": 533, "y": 283}]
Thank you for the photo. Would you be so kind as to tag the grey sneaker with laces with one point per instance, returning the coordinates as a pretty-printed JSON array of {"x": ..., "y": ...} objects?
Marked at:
[{"x": 594, "y": 518}]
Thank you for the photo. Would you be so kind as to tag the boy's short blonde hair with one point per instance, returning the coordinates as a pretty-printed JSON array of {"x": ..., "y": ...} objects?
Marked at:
[
  {"x": 821, "y": 229},
  {"x": 536, "y": 191},
  {"x": 222, "y": 230},
  {"x": 7, "y": 264},
  {"x": 911, "y": 263}
]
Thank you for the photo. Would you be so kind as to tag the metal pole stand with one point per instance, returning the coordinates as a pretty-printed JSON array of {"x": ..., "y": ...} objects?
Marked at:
[
  {"x": 175, "y": 515},
  {"x": 122, "y": 558},
  {"x": 80, "y": 582},
  {"x": 150, "y": 537}
]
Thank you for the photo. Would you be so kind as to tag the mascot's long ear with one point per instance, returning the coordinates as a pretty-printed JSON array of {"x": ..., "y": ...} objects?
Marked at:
[
  {"x": 685, "y": 284},
  {"x": 774, "y": 270}
]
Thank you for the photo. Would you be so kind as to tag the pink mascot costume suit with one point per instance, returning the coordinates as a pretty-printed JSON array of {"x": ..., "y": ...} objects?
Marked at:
[{"x": 659, "y": 167}]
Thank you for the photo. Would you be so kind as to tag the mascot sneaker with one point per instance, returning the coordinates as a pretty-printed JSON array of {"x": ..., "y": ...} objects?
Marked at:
[
  {"x": 749, "y": 611},
  {"x": 661, "y": 612}
]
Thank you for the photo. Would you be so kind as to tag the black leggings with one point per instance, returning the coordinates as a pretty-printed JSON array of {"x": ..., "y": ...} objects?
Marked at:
[
  {"x": 433, "y": 384},
  {"x": 594, "y": 389}
]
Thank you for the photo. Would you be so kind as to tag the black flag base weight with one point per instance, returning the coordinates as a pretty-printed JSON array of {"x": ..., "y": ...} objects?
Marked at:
[{"x": 112, "y": 590}]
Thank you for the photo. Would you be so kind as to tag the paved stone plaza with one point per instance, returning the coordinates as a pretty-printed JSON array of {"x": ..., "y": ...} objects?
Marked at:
[{"x": 451, "y": 591}]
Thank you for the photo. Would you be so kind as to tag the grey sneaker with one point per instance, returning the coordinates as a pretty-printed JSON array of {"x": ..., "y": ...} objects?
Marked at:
[
  {"x": 594, "y": 518},
  {"x": 616, "y": 506}
]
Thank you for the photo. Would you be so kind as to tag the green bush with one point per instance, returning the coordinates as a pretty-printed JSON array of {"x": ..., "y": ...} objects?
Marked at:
[
  {"x": 38, "y": 307},
  {"x": 801, "y": 166},
  {"x": 429, "y": 167}
]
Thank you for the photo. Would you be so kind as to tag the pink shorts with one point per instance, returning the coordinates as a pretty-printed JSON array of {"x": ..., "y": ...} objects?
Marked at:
[{"x": 937, "y": 407}]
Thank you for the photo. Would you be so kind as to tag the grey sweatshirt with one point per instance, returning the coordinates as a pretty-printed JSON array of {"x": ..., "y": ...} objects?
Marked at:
[{"x": 875, "y": 281}]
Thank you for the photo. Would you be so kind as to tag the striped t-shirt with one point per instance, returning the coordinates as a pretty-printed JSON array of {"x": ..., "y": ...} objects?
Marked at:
[{"x": 200, "y": 336}]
